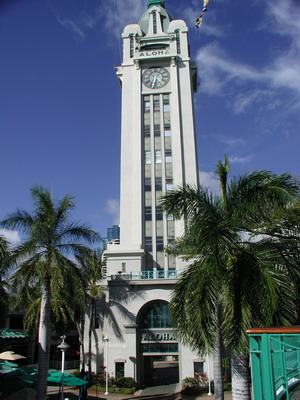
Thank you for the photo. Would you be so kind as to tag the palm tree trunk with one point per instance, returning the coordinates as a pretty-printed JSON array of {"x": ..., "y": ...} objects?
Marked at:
[
  {"x": 80, "y": 330},
  {"x": 92, "y": 313},
  {"x": 240, "y": 377},
  {"x": 217, "y": 368},
  {"x": 44, "y": 341}
]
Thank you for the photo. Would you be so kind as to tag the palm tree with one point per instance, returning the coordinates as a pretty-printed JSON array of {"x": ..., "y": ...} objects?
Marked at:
[
  {"x": 67, "y": 298},
  {"x": 90, "y": 263},
  {"x": 231, "y": 284},
  {"x": 42, "y": 258},
  {"x": 4, "y": 264}
]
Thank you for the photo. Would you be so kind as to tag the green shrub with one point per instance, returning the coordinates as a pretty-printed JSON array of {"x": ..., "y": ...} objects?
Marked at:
[
  {"x": 125, "y": 382},
  {"x": 190, "y": 385}
]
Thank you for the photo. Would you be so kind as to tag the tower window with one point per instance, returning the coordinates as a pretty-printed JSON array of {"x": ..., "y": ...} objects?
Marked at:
[
  {"x": 166, "y": 107},
  {"x": 171, "y": 238},
  {"x": 154, "y": 22},
  {"x": 168, "y": 156},
  {"x": 156, "y": 130},
  {"x": 147, "y": 130},
  {"x": 169, "y": 184},
  {"x": 156, "y": 106},
  {"x": 147, "y": 106},
  {"x": 147, "y": 184},
  {"x": 157, "y": 156},
  {"x": 131, "y": 46},
  {"x": 148, "y": 243},
  {"x": 178, "y": 42},
  {"x": 148, "y": 213},
  {"x": 158, "y": 183},
  {"x": 159, "y": 213},
  {"x": 147, "y": 157},
  {"x": 159, "y": 243}
]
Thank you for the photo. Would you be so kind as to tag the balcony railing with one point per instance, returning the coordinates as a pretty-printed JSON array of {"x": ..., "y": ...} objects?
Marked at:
[
  {"x": 144, "y": 275},
  {"x": 275, "y": 359}
]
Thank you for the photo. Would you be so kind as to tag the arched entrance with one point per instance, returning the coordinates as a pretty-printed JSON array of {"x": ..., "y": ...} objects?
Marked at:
[{"x": 158, "y": 361}]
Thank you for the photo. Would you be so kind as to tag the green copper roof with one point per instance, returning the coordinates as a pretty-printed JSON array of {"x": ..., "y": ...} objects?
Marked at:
[
  {"x": 156, "y": 3},
  {"x": 6, "y": 333}
]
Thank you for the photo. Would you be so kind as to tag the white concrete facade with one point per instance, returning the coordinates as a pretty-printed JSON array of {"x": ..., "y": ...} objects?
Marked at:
[{"x": 158, "y": 153}]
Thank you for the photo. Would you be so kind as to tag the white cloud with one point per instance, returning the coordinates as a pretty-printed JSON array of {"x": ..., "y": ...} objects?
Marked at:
[
  {"x": 230, "y": 141},
  {"x": 245, "y": 100},
  {"x": 219, "y": 69},
  {"x": 118, "y": 13},
  {"x": 209, "y": 180},
  {"x": 240, "y": 160},
  {"x": 12, "y": 237},
  {"x": 284, "y": 19},
  {"x": 113, "y": 208},
  {"x": 72, "y": 25},
  {"x": 113, "y": 16}
]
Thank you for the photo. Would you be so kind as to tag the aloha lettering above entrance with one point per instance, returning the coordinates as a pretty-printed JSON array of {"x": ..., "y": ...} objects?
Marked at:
[
  {"x": 158, "y": 337},
  {"x": 154, "y": 53}
]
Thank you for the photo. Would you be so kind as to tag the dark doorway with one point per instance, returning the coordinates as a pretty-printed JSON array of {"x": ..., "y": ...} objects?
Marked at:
[{"x": 160, "y": 370}]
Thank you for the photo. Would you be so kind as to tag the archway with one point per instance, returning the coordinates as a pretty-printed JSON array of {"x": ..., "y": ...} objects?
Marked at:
[{"x": 158, "y": 361}]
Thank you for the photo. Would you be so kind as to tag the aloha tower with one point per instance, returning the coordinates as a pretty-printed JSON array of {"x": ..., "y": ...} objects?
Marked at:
[{"x": 158, "y": 153}]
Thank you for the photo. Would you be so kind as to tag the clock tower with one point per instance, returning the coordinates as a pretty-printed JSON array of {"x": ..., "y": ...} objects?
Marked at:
[
  {"x": 158, "y": 150},
  {"x": 158, "y": 153}
]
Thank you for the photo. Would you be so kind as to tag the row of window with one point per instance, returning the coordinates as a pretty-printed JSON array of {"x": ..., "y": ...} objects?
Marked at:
[
  {"x": 159, "y": 242},
  {"x": 157, "y": 131},
  {"x": 158, "y": 184},
  {"x": 158, "y": 213},
  {"x": 157, "y": 156},
  {"x": 156, "y": 105},
  {"x": 157, "y": 123}
]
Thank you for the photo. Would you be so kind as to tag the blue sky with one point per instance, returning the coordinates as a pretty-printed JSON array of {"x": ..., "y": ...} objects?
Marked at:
[{"x": 60, "y": 99}]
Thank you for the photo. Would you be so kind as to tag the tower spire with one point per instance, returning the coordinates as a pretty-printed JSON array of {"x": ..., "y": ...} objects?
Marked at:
[{"x": 156, "y": 3}]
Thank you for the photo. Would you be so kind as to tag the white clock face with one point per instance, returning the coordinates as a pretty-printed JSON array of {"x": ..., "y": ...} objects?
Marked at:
[{"x": 155, "y": 77}]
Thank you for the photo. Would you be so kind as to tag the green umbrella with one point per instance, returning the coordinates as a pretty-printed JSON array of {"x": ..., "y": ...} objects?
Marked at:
[
  {"x": 55, "y": 379},
  {"x": 7, "y": 366}
]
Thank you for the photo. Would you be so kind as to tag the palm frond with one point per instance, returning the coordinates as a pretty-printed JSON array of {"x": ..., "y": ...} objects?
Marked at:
[
  {"x": 20, "y": 220},
  {"x": 254, "y": 197}
]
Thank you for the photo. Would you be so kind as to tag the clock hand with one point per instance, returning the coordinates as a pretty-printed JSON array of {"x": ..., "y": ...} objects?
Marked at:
[{"x": 154, "y": 80}]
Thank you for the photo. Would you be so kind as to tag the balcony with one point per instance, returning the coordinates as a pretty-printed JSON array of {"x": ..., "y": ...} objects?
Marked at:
[{"x": 145, "y": 275}]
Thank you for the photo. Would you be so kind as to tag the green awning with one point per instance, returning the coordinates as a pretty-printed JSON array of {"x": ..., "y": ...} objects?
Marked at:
[
  {"x": 69, "y": 379},
  {"x": 6, "y": 333}
]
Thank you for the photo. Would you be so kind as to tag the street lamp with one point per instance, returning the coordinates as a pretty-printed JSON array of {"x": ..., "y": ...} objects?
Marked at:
[
  {"x": 63, "y": 347},
  {"x": 106, "y": 339},
  {"x": 209, "y": 381}
]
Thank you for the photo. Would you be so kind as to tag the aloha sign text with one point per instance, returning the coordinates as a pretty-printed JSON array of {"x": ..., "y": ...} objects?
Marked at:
[
  {"x": 154, "y": 53},
  {"x": 158, "y": 337}
]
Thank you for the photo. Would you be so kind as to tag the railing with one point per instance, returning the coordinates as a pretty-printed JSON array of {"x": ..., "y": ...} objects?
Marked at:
[
  {"x": 275, "y": 362},
  {"x": 156, "y": 274},
  {"x": 56, "y": 364}
]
